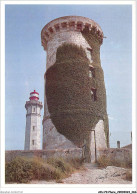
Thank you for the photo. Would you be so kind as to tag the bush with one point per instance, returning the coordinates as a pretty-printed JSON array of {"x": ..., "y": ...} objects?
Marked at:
[
  {"x": 61, "y": 164},
  {"x": 76, "y": 163},
  {"x": 103, "y": 161},
  {"x": 23, "y": 170},
  {"x": 19, "y": 170}
]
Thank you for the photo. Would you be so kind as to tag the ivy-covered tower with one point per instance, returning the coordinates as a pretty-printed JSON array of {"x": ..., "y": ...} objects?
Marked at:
[
  {"x": 33, "y": 122},
  {"x": 75, "y": 96}
]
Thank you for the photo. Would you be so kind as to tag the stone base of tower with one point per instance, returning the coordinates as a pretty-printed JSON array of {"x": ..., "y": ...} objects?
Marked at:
[{"x": 52, "y": 139}]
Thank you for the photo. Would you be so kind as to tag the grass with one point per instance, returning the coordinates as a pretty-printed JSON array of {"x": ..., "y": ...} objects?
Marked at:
[
  {"x": 105, "y": 161},
  {"x": 23, "y": 170},
  {"x": 129, "y": 175}
]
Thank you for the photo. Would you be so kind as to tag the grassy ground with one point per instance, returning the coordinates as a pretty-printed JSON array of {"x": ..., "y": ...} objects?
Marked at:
[
  {"x": 105, "y": 161},
  {"x": 23, "y": 170}
]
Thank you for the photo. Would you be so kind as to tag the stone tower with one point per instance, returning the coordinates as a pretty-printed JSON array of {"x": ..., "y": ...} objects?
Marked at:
[
  {"x": 75, "y": 96},
  {"x": 33, "y": 122}
]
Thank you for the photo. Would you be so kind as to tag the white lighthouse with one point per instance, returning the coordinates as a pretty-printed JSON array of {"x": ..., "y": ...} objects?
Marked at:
[{"x": 33, "y": 122}]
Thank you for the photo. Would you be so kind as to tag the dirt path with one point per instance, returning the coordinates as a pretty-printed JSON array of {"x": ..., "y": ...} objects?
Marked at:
[{"x": 93, "y": 175}]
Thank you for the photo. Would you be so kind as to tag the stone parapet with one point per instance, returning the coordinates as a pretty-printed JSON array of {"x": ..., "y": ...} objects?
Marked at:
[
  {"x": 69, "y": 23},
  {"x": 117, "y": 154},
  {"x": 36, "y": 114},
  {"x": 65, "y": 153}
]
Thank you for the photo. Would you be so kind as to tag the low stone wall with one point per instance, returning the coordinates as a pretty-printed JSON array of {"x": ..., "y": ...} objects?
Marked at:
[
  {"x": 65, "y": 153},
  {"x": 119, "y": 154}
]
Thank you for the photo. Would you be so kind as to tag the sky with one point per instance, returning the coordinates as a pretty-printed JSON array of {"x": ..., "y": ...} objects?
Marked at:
[{"x": 25, "y": 64}]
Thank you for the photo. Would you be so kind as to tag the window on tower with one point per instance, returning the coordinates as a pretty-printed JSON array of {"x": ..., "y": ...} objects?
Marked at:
[
  {"x": 33, "y": 142},
  {"x": 33, "y": 109},
  {"x": 33, "y": 128},
  {"x": 94, "y": 93},
  {"x": 91, "y": 71},
  {"x": 90, "y": 50}
]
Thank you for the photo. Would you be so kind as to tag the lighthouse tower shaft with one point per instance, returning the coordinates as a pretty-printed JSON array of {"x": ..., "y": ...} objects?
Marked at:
[{"x": 33, "y": 123}]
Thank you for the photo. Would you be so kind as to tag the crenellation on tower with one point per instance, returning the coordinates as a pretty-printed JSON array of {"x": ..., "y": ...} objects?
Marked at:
[
  {"x": 68, "y": 29},
  {"x": 68, "y": 23}
]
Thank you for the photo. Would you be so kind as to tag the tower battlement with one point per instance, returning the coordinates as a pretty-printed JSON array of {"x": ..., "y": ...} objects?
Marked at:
[{"x": 69, "y": 23}]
